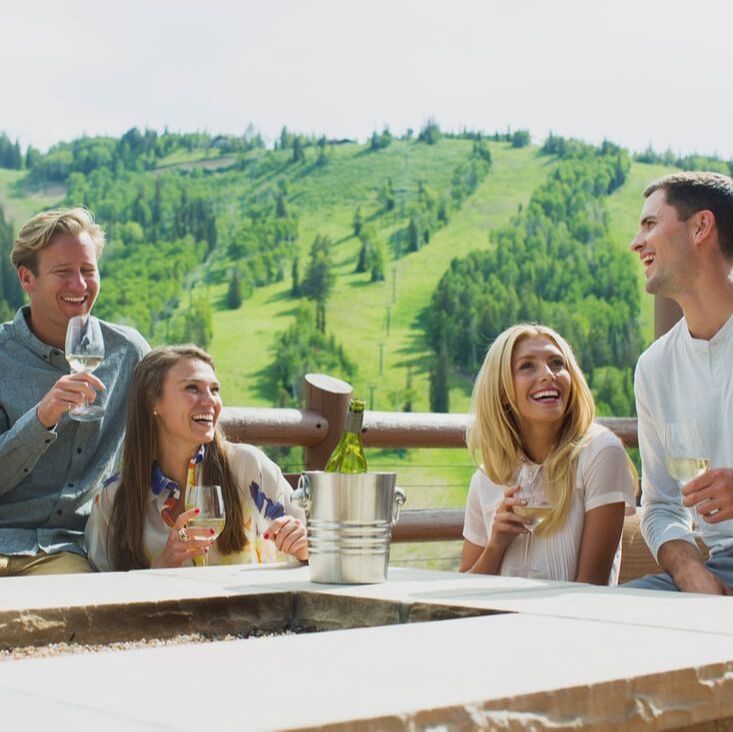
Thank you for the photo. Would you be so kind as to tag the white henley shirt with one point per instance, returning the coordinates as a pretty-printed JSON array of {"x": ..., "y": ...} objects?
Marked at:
[{"x": 680, "y": 378}]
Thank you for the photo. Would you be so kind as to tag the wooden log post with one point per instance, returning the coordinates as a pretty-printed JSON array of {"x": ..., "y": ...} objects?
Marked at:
[{"x": 329, "y": 397}]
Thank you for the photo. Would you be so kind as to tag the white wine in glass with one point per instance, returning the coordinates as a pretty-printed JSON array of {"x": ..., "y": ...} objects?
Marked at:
[
  {"x": 686, "y": 457},
  {"x": 533, "y": 490},
  {"x": 84, "y": 352},
  {"x": 210, "y": 502},
  {"x": 537, "y": 514}
]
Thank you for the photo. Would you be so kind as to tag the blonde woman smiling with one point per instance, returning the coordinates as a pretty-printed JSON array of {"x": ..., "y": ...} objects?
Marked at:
[{"x": 533, "y": 408}]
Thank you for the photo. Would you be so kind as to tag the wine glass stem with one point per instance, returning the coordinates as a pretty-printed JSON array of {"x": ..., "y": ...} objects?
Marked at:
[
  {"x": 527, "y": 546},
  {"x": 695, "y": 515}
]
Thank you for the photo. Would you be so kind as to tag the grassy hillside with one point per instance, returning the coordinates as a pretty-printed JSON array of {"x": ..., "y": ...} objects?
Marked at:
[
  {"x": 379, "y": 324},
  {"x": 20, "y": 200},
  {"x": 358, "y": 311}
]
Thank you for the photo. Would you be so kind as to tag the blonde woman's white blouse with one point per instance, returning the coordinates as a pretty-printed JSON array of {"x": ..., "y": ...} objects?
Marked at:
[{"x": 602, "y": 478}]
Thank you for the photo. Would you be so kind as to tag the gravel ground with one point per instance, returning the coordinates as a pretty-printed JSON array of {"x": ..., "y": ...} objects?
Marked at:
[{"x": 66, "y": 649}]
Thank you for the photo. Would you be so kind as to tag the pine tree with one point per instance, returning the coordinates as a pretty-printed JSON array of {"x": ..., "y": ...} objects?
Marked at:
[
  {"x": 298, "y": 153},
  {"x": 376, "y": 261},
  {"x": 413, "y": 235},
  {"x": 295, "y": 290},
  {"x": 281, "y": 209},
  {"x": 357, "y": 221},
  {"x": 234, "y": 294},
  {"x": 410, "y": 393},
  {"x": 439, "y": 391},
  {"x": 386, "y": 195},
  {"x": 319, "y": 278}
]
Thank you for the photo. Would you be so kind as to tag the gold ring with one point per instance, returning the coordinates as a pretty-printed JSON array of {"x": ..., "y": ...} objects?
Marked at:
[{"x": 183, "y": 534}]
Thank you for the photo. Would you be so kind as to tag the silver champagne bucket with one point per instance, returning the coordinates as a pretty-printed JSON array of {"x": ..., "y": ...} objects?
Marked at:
[{"x": 350, "y": 519}]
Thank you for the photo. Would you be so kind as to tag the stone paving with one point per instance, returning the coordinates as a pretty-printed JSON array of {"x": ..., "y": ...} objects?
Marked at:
[{"x": 425, "y": 650}]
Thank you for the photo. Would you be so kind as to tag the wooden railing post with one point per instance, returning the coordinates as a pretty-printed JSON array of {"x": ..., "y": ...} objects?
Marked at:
[{"x": 330, "y": 397}]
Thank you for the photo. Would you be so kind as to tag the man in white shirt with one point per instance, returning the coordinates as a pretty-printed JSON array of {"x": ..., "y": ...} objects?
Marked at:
[{"x": 685, "y": 243}]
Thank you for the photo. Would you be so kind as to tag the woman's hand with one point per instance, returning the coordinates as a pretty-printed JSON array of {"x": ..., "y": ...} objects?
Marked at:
[
  {"x": 184, "y": 544},
  {"x": 507, "y": 524},
  {"x": 289, "y": 536},
  {"x": 505, "y": 527}
]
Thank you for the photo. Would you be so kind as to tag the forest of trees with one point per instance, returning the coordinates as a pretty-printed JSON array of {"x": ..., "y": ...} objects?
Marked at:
[
  {"x": 174, "y": 229},
  {"x": 135, "y": 151},
  {"x": 554, "y": 264},
  {"x": 11, "y": 293}
]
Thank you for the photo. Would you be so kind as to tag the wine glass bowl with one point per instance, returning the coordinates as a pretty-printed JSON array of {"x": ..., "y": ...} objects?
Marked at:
[
  {"x": 84, "y": 351},
  {"x": 686, "y": 456},
  {"x": 212, "y": 516},
  {"x": 533, "y": 490}
]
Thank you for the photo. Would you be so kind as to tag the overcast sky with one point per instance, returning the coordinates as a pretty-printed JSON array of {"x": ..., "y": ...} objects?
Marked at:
[{"x": 634, "y": 71}]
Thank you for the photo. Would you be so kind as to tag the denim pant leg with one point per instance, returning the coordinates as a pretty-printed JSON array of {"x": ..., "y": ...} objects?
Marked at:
[
  {"x": 721, "y": 565},
  {"x": 661, "y": 581}
]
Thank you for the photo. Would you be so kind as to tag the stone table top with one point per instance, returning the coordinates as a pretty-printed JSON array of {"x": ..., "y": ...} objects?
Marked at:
[{"x": 560, "y": 654}]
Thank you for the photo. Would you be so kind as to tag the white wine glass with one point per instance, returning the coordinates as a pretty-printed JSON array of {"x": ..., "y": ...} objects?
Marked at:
[
  {"x": 686, "y": 456},
  {"x": 84, "y": 352},
  {"x": 212, "y": 516},
  {"x": 533, "y": 489}
]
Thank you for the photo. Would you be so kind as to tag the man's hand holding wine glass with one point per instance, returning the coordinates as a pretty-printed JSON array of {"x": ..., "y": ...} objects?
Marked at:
[
  {"x": 712, "y": 494},
  {"x": 70, "y": 391}
]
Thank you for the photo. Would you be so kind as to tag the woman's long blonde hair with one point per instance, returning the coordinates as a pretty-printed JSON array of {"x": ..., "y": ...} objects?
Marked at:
[
  {"x": 494, "y": 433},
  {"x": 132, "y": 501}
]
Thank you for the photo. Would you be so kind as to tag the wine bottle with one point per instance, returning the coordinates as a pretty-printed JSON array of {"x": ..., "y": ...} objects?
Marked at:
[{"x": 348, "y": 456}]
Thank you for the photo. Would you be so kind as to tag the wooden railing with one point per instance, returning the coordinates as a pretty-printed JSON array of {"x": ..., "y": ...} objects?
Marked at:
[{"x": 319, "y": 426}]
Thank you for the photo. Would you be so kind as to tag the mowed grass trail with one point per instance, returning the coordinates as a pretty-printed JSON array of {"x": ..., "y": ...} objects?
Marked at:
[{"x": 357, "y": 312}]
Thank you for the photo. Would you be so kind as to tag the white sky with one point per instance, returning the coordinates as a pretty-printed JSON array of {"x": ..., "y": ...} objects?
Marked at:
[{"x": 634, "y": 71}]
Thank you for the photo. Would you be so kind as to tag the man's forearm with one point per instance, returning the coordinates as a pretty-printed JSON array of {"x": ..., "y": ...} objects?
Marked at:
[
  {"x": 683, "y": 562},
  {"x": 678, "y": 555}
]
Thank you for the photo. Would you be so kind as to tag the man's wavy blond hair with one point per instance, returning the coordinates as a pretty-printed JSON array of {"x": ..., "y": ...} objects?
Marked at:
[
  {"x": 38, "y": 233},
  {"x": 493, "y": 437}
]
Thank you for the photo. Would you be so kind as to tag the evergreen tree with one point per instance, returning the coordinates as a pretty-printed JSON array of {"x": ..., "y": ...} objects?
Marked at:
[
  {"x": 281, "y": 209},
  {"x": 439, "y": 388},
  {"x": 301, "y": 349},
  {"x": 295, "y": 275},
  {"x": 197, "y": 324},
  {"x": 362, "y": 262},
  {"x": 387, "y": 196},
  {"x": 410, "y": 393},
  {"x": 520, "y": 138},
  {"x": 234, "y": 293},
  {"x": 413, "y": 235},
  {"x": 298, "y": 152},
  {"x": 322, "y": 154},
  {"x": 430, "y": 133},
  {"x": 357, "y": 221},
  {"x": 319, "y": 278},
  {"x": 376, "y": 261}
]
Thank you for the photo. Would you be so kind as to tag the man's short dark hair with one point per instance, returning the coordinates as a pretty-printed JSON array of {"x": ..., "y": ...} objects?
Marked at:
[{"x": 691, "y": 192}]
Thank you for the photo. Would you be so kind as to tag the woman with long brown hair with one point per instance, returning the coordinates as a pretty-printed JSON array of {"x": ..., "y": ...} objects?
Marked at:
[
  {"x": 533, "y": 415},
  {"x": 173, "y": 443}
]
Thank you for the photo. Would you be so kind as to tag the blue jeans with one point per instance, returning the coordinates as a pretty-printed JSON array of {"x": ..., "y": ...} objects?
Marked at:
[{"x": 721, "y": 565}]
